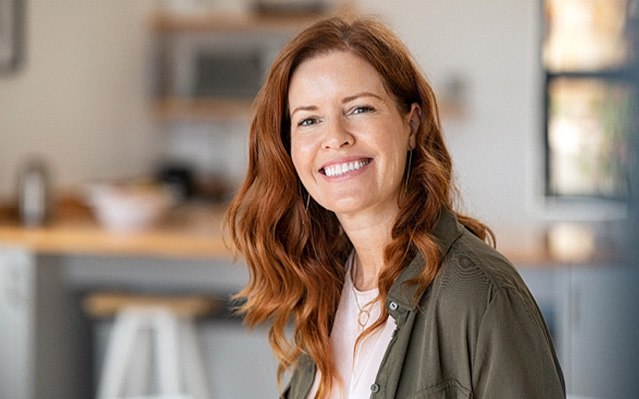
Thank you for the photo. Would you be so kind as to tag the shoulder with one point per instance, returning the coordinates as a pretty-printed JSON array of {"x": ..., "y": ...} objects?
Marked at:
[
  {"x": 469, "y": 261},
  {"x": 471, "y": 254},
  {"x": 473, "y": 274}
]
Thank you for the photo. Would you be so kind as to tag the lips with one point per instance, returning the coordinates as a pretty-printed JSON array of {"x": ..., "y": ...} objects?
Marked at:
[{"x": 342, "y": 168}]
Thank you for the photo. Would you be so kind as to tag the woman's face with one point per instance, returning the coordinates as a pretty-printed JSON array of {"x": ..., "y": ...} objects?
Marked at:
[{"x": 348, "y": 139}]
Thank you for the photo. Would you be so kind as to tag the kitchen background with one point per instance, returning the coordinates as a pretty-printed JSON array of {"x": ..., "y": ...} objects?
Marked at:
[{"x": 102, "y": 95}]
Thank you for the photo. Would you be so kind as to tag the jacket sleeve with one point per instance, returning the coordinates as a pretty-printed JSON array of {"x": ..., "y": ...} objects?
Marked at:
[
  {"x": 302, "y": 379},
  {"x": 514, "y": 356}
]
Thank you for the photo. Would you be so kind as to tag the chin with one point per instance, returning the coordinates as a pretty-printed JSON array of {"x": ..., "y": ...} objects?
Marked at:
[{"x": 343, "y": 207}]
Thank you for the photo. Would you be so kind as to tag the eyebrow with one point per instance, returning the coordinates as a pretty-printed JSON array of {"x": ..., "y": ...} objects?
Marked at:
[
  {"x": 358, "y": 95},
  {"x": 344, "y": 101},
  {"x": 304, "y": 108}
]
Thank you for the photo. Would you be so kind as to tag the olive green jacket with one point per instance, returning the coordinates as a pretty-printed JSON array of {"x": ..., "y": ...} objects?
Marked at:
[{"x": 476, "y": 333}]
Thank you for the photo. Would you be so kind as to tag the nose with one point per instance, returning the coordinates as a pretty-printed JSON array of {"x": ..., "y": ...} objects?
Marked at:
[{"x": 338, "y": 136}]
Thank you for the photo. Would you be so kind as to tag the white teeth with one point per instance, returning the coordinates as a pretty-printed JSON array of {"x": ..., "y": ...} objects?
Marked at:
[{"x": 340, "y": 169}]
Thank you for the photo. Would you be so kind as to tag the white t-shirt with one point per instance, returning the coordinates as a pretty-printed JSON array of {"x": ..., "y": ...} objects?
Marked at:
[{"x": 356, "y": 369}]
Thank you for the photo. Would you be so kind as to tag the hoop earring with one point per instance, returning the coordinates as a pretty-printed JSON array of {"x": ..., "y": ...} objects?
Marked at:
[
  {"x": 308, "y": 197},
  {"x": 410, "y": 161}
]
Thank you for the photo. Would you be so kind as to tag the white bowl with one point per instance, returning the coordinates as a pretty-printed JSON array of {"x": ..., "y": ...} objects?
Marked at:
[{"x": 122, "y": 208}]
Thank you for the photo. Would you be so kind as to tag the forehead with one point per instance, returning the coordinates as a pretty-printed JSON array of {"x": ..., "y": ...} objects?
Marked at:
[{"x": 334, "y": 73}]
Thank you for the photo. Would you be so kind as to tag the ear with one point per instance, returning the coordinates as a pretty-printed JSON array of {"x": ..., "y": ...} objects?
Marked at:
[{"x": 414, "y": 118}]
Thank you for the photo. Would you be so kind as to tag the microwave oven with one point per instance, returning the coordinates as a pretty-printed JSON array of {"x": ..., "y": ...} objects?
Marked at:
[{"x": 216, "y": 65}]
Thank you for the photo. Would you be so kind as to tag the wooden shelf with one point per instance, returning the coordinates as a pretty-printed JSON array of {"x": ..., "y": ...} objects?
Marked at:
[
  {"x": 207, "y": 21},
  {"x": 177, "y": 109}
]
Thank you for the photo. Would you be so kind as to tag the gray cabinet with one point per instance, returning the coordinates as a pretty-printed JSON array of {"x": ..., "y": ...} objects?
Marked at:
[
  {"x": 594, "y": 317},
  {"x": 49, "y": 350},
  {"x": 43, "y": 338}
]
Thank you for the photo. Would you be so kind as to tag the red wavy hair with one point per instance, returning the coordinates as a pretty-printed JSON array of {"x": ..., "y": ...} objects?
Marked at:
[{"x": 296, "y": 256}]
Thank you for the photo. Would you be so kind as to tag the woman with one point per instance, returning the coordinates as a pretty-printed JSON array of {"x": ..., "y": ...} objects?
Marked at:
[{"x": 347, "y": 224}]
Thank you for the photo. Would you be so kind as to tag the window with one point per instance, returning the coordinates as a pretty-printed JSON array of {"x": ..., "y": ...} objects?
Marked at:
[{"x": 591, "y": 60}]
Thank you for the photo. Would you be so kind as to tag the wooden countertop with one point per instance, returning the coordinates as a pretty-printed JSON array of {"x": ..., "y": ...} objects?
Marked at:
[
  {"x": 189, "y": 231},
  {"x": 195, "y": 231}
]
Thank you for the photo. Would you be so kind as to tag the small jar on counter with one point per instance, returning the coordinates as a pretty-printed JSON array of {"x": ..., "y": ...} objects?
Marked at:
[{"x": 33, "y": 193}]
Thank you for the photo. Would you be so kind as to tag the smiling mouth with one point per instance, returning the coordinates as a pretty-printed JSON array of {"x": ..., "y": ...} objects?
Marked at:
[{"x": 340, "y": 169}]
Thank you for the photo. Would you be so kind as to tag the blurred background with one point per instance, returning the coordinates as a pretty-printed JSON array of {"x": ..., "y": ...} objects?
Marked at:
[{"x": 123, "y": 129}]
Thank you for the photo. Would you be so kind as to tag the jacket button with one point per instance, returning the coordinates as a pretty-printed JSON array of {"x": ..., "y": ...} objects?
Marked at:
[
  {"x": 393, "y": 306},
  {"x": 374, "y": 388}
]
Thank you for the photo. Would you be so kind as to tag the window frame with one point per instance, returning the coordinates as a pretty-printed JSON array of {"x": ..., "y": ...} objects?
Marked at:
[{"x": 627, "y": 75}]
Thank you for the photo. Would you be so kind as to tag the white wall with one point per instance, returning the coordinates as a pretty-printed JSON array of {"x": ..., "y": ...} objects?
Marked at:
[{"x": 80, "y": 98}]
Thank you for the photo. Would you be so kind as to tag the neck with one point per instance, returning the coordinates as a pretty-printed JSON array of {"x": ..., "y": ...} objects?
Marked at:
[
  {"x": 365, "y": 277},
  {"x": 369, "y": 238}
]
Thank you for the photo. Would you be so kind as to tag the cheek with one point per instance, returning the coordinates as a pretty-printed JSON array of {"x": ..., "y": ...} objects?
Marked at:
[
  {"x": 397, "y": 146},
  {"x": 300, "y": 157}
]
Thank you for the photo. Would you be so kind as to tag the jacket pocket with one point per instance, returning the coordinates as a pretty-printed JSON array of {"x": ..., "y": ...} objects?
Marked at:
[{"x": 449, "y": 389}]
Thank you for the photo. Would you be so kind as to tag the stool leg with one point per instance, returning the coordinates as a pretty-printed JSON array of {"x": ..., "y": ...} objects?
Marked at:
[
  {"x": 166, "y": 341},
  {"x": 139, "y": 378},
  {"x": 119, "y": 349},
  {"x": 194, "y": 370}
]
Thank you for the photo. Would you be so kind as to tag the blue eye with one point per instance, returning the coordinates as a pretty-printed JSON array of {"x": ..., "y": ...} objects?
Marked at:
[
  {"x": 307, "y": 122},
  {"x": 361, "y": 110}
]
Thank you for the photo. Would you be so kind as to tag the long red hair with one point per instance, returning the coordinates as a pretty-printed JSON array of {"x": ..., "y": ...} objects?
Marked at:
[{"x": 296, "y": 251}]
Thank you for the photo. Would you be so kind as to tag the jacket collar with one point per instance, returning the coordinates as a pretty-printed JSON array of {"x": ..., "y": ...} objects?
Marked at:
[{"x": 446, "y": 231}]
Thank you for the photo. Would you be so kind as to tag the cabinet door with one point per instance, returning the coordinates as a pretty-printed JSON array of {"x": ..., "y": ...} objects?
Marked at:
[
  {"x": 17, "y": 284},
  {"x": 43, "y": 344},
  {"x": 601, "y": 348}
]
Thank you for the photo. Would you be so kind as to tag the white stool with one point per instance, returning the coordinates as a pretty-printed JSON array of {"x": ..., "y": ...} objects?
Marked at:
[{"x": 151, "y": 330}]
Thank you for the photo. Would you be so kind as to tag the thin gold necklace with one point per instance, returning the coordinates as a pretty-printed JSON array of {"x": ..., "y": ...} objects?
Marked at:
[{"x": 364, "y": 315}]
